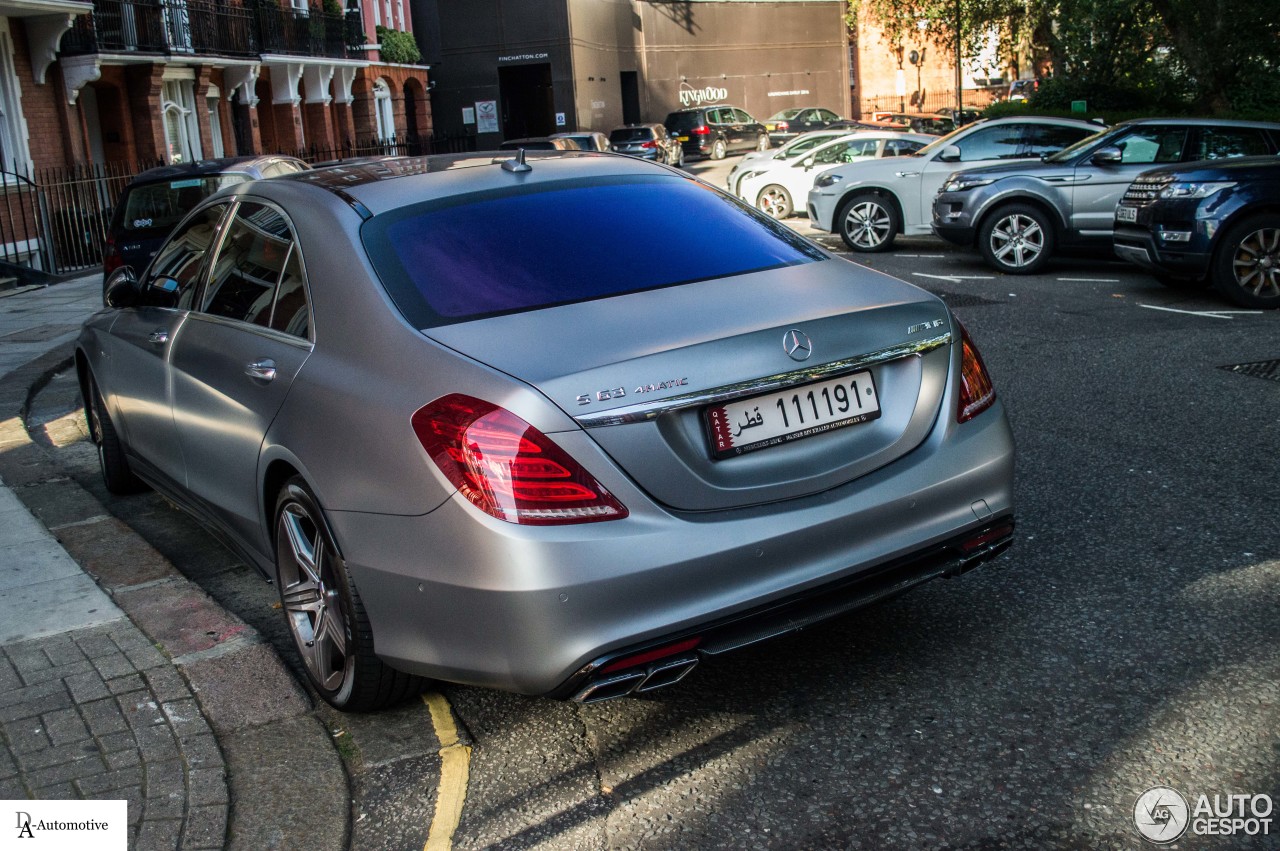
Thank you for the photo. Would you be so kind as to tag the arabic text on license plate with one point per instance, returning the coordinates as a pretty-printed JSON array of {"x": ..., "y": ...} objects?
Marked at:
[
  {"x": 791, "y": 414},
  {"x": 1126, "y": 214}
]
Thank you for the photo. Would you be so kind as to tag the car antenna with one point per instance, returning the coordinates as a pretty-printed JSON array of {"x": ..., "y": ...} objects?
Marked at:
[{"x": 518, "y": 165}]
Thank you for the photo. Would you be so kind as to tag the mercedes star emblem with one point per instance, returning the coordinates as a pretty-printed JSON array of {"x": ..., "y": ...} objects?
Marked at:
[{"x": 797, "y": 345}]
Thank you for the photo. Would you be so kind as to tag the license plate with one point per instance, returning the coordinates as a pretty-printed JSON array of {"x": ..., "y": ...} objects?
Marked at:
[
  {"x": 792, "y": 414},
  {"x": 683, "y": 138},
  {"x": 1126, "y": 214}
]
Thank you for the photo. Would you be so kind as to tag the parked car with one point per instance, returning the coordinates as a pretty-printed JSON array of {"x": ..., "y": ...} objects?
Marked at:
[
  {"x": 790, "y": 123},
  {"x": 869, "y": 203},
  {"x": 714, "y": 131},
  {"x": 799, "y": 145},
  {"x": 1217, "y": 220},
  {"x": 771, "y": 184},
  {"x": 962, "y": 117},
  {"x": 1022, "y": 90},
  {"x": 587, "y": 140},
  {"x": 1020, "y": 214},
  {"x": 471, "y": 443},
  {"x": 933, "y": 125},
  {"x": 648, "y": 142},
  {"x": 540, "y": 143},
  {"x": 157, "y": 199}
]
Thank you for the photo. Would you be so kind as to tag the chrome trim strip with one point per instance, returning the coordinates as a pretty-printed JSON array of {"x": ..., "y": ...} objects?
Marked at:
[{"x": 650, "y": 410}]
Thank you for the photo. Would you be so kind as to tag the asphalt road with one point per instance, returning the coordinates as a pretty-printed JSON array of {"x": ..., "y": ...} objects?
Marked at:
[{"x": 1129, "y": 639}]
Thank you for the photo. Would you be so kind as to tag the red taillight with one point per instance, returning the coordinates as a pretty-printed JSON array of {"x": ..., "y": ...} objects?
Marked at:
[
  {"x": 649, "y": 145},
  {"x": 977, "y": 393},
  {"x": 111, "y": 257},
  {"x": 507, "y": 468},
  {"x": 701, "y": 130},
  {"x": 783, "y": 125}
]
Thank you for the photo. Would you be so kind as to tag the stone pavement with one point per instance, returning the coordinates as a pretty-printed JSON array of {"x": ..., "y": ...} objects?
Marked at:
[{"x": 119, "y": 678}]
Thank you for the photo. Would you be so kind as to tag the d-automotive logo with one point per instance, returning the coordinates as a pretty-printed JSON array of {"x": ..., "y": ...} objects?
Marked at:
[
  {"x": 66, "y": 825},
  {"x": 1162, "y": 815}
]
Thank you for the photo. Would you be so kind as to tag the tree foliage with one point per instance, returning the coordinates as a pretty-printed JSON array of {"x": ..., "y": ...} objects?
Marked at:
[{"x": 1211, "y": 56}]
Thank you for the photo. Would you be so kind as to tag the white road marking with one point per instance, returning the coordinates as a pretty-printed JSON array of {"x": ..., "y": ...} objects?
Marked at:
[
  {"x": 1211, "y": 314},
  {"x": 955, "y": 279},
  {"x": 1092, "y": 280},
  {"x": 925, "y": 256}
]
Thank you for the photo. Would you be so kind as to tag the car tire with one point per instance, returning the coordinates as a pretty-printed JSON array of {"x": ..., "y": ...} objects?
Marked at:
[
  {"x": 112, "y": 460},
  {"x": 718, "y": 149},
  {"x": 323, "y": 611},
  {"x": 1016, "y": 239},
  {"x": 1246, "y": 268},
  {"x": 775, "y": 201},
  {"x": 762, "y": 142},
  {"x": 868, "y": 223}
]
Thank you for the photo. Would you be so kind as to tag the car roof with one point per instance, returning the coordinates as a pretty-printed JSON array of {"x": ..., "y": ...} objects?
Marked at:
[
  {"x": 374, "y": 188},
  {"x": 1200, "y": 122},
  {"x": 246, "y": 164}
]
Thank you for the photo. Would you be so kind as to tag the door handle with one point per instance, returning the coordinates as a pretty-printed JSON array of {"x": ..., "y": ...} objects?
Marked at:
[
  {"x": 159, "y": 337},
  {"x": 263, "y": 369},
  {"x": 907, "y": 173}
]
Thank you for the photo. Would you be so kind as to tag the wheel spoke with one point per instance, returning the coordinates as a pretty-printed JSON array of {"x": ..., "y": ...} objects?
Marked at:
[
  {"x": 302, "y": 597},
  {"x": 305, "y": 550}
]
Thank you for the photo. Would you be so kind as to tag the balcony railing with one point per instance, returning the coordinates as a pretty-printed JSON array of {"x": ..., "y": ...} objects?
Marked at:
[{"x": 207, "y": 27}]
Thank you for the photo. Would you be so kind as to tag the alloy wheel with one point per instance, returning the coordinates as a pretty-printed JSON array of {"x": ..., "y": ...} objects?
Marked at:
[
  {"x": 868, "y": 224},
  {"x": 1017, "y": 240},
  {"x": 1256, "y": 263},
  {"x": 774, "y": 201},
  {"x": 310, "y": 594}
]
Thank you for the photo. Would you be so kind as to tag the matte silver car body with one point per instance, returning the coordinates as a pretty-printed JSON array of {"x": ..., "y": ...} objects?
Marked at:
[{"x": 455, "y": 594}]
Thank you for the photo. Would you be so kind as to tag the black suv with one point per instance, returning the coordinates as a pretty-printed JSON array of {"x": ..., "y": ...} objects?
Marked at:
[
  {"x": 156, "y": 200},
  {"x": 713, "y": 131},
  {"x": 1217, "y": 219}
]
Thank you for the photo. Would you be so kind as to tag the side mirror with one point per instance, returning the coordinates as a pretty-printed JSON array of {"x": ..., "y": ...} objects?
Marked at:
[
  {"x": 122, "y": 288},
  {"x": 950, "y": 154},
  {"x": 1110, "y": 155},
  {"x": 162, "y": 291},
  {"x": 808, "y": 163}
]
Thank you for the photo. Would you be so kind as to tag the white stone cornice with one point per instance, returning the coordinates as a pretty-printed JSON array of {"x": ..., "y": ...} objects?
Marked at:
[
  {"x": 244, "y": 78},
  {"x": 317, "y": 78},
  {"x": 44, "y": 32},
  {"x": 78, "y": 72},
  {"x": 344, "y": 77}
]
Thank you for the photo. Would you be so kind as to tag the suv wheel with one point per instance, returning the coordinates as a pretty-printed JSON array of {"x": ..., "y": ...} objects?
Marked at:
[
  {"x": 774, "y": 200},
  {"x": 1017, "y": 239},
  {"x": 718, "y": 149},
  {"x": 868, "y": 223},
  {"x": 1247, "y": 267}
]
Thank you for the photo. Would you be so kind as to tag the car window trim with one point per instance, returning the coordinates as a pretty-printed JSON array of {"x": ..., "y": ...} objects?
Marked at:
[
  {"x": 203, "y": 273},
  {"x": 302, "y": 261},
  {"x": 258, "y": 330}
]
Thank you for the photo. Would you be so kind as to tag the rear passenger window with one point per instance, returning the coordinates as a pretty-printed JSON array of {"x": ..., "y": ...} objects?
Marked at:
[
  {"x": 992, "y": 143},
  {"x": 1223, "y": 142},
  {"x": 1049, "y": 139},
  {"x": 257, "y": 275},
  {"x": 1149, "y": 145}
]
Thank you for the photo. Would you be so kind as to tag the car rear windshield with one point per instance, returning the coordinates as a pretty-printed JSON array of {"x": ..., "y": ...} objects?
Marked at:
[
  {"x": 160, "y": 206},
  {"x": 505, "y": 252},
  {"x": 630, "y": 134},
  {"x": 681, "y": 121}
]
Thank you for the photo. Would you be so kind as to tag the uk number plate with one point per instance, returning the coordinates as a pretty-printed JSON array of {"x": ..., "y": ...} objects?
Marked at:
[
  {"x": 792, "y": 414},
  {"x": 1126, "y": 214}
]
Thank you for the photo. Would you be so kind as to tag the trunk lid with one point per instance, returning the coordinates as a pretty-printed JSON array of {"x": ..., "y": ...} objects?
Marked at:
[{"x": 640, "y": 371}]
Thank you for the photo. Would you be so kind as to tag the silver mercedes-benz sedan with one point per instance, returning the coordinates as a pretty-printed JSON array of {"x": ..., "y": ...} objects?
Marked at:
[{"x": 476, "y": 431}]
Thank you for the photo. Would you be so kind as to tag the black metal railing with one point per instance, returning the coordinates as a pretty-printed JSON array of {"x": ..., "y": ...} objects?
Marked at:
[
  {"x": 210, "y": 27},
  {"x": 404, "y": 145}
]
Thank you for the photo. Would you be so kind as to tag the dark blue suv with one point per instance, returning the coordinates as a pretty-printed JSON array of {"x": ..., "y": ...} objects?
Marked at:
[{"x": 1216, "y": 221}]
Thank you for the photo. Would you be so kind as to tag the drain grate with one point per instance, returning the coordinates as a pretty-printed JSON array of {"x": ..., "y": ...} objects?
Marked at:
[
  {"x": 962, "y": 299},
  {"x": 1259, "y": 369}
]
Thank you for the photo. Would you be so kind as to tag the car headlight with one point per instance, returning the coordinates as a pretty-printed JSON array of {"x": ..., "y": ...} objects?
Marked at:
[
  {"x": 964, "y": 182},
  {"x": 1194, "y": 190},
  {"x": 827, "y": 179}
]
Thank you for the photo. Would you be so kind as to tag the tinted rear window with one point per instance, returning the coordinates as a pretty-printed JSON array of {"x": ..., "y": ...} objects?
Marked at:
[
  {"x": 630, "y": 134},
  {"x": 160, "y": 206},
  {"x": 683, "y": 120},
  {"x": 495, "y": 253}
]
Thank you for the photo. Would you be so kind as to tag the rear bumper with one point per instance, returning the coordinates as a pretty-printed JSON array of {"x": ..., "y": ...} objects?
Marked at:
[{"x": 457, "y": 596}]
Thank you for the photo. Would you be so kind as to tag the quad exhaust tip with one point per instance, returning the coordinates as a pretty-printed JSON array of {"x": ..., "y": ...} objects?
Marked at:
[{"x": 638, "y": 680}]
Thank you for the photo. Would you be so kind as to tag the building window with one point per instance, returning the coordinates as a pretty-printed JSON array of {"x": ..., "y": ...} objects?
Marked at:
[
  {"x": 377, "y": 13},
  {"x": 382, "y": 111},
  {"x": 400, "y": 15},
  {"x": 181, "y": 128},
  {"x": 14, "y": 153},
  {"x": 215, "y": 124}
]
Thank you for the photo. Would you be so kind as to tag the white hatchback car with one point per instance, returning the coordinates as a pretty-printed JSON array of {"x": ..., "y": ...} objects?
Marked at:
[
  {"x": 751, "y": 160},
  {"x": 770, "y": 185}
]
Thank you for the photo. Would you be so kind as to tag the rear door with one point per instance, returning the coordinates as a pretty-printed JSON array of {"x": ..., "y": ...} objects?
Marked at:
[
  {"x": 142, "y": 340},
  {"x": 235, "y": 360}
]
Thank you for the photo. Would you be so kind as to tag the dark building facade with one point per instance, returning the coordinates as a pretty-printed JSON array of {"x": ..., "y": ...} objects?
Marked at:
[{"x": 513, "y": 68}]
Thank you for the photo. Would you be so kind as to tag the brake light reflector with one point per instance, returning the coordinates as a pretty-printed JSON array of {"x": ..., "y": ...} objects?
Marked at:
[
  {"x": 111, "y": 257},
  {"x": 649, "y": 145},
  {"x": 507, "y": 468},
  {"x": 977, "y": 393},
  {"x": 648, "y": 656},
  {"x": 701, "y": 130}
]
